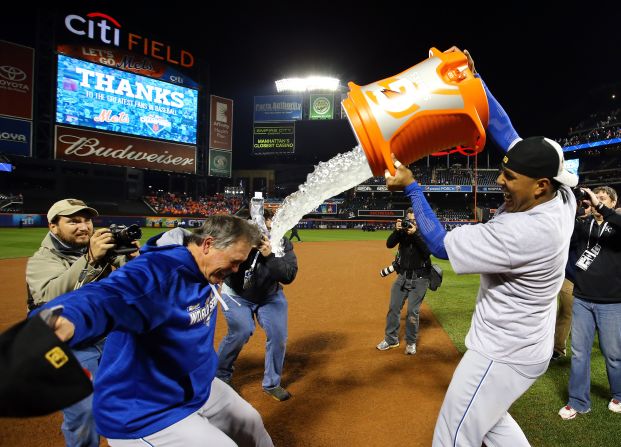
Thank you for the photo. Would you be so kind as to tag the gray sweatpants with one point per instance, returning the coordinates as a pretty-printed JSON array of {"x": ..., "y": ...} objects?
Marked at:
[
  {"x": 476, "y": 404},
  {"x": 226, "y": 420}
]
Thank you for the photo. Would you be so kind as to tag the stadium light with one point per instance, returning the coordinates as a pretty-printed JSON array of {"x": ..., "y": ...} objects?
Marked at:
[{"x": 309, "y": 83}]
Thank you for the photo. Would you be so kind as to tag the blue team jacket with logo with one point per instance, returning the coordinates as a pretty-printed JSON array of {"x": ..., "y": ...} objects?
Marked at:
[{"x": 158, "y": 361}]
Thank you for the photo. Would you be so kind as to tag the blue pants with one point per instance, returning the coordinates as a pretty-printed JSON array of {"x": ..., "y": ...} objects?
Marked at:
[
  {"x": 78, "y": 425},
  {"x": 272, "y": 316},
  {"x": 586, "y": 319}
]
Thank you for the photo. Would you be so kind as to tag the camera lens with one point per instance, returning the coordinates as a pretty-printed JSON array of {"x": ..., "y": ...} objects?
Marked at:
[{"x": 387, "y": 270}]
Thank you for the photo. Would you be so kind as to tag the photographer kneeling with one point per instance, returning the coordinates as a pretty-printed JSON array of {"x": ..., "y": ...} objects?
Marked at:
[
  {"x": 73, "y": 254},
  {"x": 413, "y": 268}
]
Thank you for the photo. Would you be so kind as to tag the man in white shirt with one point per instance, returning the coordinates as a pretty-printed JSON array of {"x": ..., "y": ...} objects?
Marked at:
[{"x": 521, "y": 255}]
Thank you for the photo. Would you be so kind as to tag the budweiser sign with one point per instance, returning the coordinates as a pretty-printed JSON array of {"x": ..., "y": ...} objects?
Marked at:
[{"x": 119, "y": 150}]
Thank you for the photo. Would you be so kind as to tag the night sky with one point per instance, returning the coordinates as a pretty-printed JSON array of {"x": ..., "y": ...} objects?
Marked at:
[{"x": 548, "y": 70}]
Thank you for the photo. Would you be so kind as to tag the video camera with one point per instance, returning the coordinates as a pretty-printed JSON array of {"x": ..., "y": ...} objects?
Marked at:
[{"x": 124, "y": 237}]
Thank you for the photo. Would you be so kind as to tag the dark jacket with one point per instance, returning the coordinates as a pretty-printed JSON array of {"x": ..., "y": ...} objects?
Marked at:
[
  {"x": 269, "y": 272},
  {"x": 601, "y": 282},
  {"x": 413, "y": 252}
]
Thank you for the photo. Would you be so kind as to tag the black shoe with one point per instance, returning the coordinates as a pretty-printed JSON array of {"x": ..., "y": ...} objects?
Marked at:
[
  {"x": 278, "y": 393},
  {"x": 556, "y": 356}
]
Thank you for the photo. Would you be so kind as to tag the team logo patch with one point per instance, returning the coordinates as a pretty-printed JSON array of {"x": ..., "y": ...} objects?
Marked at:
[
  {"x": 57, "y": 357},
  {"x": 199, "y": 314}
]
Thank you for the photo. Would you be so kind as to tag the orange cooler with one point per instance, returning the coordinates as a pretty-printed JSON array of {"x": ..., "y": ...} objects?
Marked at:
[{"x": 435, "y": 105}]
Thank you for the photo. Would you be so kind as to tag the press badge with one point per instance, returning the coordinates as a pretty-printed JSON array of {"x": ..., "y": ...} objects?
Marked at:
[{"x": 588, "y": 257}]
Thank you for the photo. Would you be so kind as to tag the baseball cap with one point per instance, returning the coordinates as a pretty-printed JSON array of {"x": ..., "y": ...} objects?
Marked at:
[
  {"x": 539, "y": 157},
  {"x": 67, "y": 207},
  {"x": 38, "y": 373}
]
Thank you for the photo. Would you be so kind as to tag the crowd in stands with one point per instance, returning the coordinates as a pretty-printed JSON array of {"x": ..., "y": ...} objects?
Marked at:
[
  {"x": 170, "y": 204},
  {"x": 591, "y": 136},
  {"x": 487, "y": 177},
  {"x": 452, "y": 176},
  {"x": 11, "y": 203},
  {"x": 453, "y": 215},
  {"x": 597, "y": 127},
  {"x": 455, "y": 175}
]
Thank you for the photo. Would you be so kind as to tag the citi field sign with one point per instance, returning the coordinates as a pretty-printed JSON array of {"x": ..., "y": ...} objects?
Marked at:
[{"x": 102, "y": 28}]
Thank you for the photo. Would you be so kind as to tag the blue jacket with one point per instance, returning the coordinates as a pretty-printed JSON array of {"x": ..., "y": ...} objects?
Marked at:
[{"x": 158, "y": 361}]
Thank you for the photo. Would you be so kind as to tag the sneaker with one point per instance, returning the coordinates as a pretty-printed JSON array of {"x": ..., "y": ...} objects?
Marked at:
[
  {"x": 385, "y": 346},
  {"x": 614, "y": 406},
  {"x": 410, "y": 349},
  {"x": 568, "y": 412},
  {"x": 278, "y": 393}
]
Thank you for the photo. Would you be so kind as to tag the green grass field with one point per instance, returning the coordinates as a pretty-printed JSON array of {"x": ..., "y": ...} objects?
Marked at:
[{"x": 453, "y": 304}]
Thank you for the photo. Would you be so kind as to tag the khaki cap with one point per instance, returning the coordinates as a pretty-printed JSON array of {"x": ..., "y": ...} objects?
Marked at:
[{"x": 68, "y": 207}]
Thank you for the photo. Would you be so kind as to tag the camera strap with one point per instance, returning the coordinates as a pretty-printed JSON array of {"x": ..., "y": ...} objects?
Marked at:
[
  {"x": 248, "y": 273},
  {"x": 599, "y": 234},
  {"x": 98, "y": 273}
]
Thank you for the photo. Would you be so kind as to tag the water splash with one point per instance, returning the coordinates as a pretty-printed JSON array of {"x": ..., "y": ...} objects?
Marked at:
[{"x": 340, "y": 173}]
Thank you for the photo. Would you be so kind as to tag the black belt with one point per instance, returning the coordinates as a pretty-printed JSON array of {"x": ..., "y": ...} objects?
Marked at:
[{"x": 416, "y": 273}]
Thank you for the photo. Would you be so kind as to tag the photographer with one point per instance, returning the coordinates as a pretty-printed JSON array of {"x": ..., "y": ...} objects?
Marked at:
[
  {"x": 255, "y": 292},
  {"x": 597, "y": 300},
  {"x": 413, "y": 267},
  {"x": 72, "y": 254}
]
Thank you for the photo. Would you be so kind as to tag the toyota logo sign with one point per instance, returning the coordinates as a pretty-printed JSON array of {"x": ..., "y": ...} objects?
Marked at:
[{"x": 12, "y": 73}]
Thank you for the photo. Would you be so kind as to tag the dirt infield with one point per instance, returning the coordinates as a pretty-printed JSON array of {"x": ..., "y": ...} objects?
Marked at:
[{"x": 345, "y": 392}]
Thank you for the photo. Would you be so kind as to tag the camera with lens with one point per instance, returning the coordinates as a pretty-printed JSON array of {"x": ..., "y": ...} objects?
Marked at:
[
  {"x": 124, "y": 236},
  {"x": 580, "y": 194},
  {"x": 406, "y": 224},
  {"x": 393, "y": 267}
]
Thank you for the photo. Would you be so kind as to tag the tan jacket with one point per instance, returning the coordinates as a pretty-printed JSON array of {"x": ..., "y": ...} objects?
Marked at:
[{"x": 52, "y": 271}]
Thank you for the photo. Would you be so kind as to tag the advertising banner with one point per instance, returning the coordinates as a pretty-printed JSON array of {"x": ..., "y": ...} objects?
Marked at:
[
  {"x": 321, "y": 107},
  {"x": 371, "y": 188},
  {"x": 15, "y": 136},
  {"x": 173, "y": 222},
  {"x": 277, "y": 138},
  {"x": 99, "y": 28},
  {"x": 221, "y": 123},
  {"x": 26, "y": 220},
  {"x": 380, "y": 213},
  {"x": 343, "y": 98},
  {"x": 489, "y": 189},
  {"x": 16, "y": 81},
  {"x": 118, "y": 150},
  {"x": 220, "y": 163},
  {"x": 447, "y": 188},
  {"x": 105, "y": 98},
  {"x": 124, "y": 60},
  {"x": 326, "y": 208},
  {"x": 277, "y": 108}
]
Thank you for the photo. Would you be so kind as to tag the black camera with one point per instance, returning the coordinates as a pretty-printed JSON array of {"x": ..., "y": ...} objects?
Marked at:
[
  {"x": 124, "y": 237},
  {"x": 390, "y": 269},
  {"x": 580, "y": 194},
  {"x": 406, "y": 224}
]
